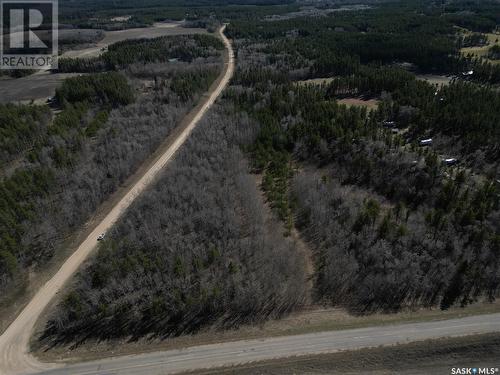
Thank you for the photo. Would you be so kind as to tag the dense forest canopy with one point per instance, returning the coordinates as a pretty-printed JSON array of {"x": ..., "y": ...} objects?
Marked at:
[
  {"x": 92, "y": 13},
  {"x": 130, "y": 4},
  {"x": 353, "y": 161},
  {"x": 59, "y": 163},
  {"x": 110, "y": 89},
  {"x": 390, "y": 33},
  {"x": 196, "y": 249},
  {"x": 158, "y": 50},
  {"x": 374, "y": 198},
  {"x": 391, "y": 224},
  {"x": 20, "y": 127},
  {"x": 398, "y": 203}
]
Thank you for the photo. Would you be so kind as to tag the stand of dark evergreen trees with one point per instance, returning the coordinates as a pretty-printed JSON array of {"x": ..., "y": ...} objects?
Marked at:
[
  {"x": 392, "y": 226},
  {"x": 158, "y": 50},
  {"x": 57, "y": 168}
]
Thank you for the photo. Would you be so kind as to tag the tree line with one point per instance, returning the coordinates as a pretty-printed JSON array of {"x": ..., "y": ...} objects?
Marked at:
[
  {"x": 20, "y": 128},
  {"x": 195, "y": 250},
  {"x": 396, "y": 32},
  {"x": 108, "y": 124},
  {"x": 392, "y": 226},
  {"x": 157, "y": 50}
]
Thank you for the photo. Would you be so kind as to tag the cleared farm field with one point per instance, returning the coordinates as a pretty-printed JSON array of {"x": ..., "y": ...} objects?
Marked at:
[
  {"x": 36, "y": 87},
  {"x": 110, "y": 37},
  {"x": 42, "y": 85}
]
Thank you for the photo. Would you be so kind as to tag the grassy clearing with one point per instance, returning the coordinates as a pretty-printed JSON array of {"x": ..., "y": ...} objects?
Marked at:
[
  {"x": 359, "y": 102},
  {"x": 436, "y": 80},
  {"x": 482, "y": 51},
  {"x": 315, "y": 81}
]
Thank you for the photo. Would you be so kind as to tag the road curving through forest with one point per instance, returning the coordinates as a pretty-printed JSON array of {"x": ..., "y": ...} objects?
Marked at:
[{"x": 14, "y": 342}]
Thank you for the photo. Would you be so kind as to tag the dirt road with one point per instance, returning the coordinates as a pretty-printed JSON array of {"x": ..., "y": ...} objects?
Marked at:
[
  {"x": 246, "y": 351},
  {"x": 14, "y": 343}
]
